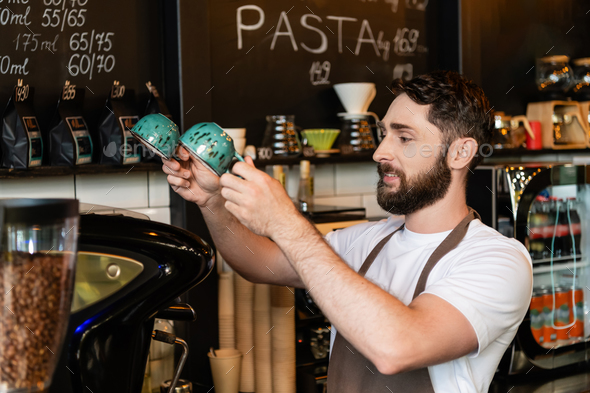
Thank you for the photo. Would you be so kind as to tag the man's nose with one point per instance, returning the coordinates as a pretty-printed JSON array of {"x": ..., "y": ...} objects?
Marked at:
[{"x": 384, "y": 151}]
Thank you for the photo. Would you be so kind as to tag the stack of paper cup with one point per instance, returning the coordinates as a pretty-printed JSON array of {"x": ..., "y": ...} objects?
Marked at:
[
  {"x": 225, "y": 368},
  {"x": 283, "y": 339},
  {"x": 227, "y": 333},
  {"x": 262, "y": 338},
  {"x": 239, "y": 137},
  {"x": 244, "y": 297}
]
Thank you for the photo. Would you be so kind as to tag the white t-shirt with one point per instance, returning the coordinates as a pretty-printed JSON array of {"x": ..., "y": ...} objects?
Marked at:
[{"x": 487, "y": 277}]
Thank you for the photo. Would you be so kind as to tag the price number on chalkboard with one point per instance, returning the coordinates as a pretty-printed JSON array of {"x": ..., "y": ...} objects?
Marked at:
[
  {"x": 86, "y": 64},
  {"x": 405, "y": 41},
  {"x": 69, "y": 91},
  {"x": 319, "y": 73},
  {"x": 21, "y": 93},
  {"x": 85, "y": 41},
  {"x": 62, "y": 3},
  {"x": 54, "y": 17},
  {"x": 117, "y": 91}
]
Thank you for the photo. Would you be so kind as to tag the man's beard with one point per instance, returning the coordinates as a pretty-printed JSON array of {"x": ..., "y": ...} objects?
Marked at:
[{"x": 416, "y": 193}]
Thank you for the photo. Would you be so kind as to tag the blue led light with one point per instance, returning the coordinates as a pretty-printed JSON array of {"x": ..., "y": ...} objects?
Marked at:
[{"x": 84, "y": 325}]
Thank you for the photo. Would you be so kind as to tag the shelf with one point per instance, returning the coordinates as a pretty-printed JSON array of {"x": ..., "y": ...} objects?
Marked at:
[
  {"x": 498, "y": 154},
  {"x": 568, "y": 258},
  {"x": 522, "y": 151},
  {"x": 90, "y": 169},
  {"x": 290, "y": 161},
  {"x": 333, "y": 159},
  {"x": 560, "y": 266},
  {"x": 527, "y": 156}
]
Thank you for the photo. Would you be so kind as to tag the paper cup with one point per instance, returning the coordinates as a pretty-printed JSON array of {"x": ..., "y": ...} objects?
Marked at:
[
  {"x": 283, "y": 339},
  {"x": 262, "y": 339},
  {"x": 225, "y": 368},
  {"x": 235, "y": 132},
  {"x": 244, "y": 298},
  {"x": 240, "y": 144}
]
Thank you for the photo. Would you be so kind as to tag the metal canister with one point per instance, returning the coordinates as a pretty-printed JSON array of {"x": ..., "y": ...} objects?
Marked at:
[
  {"x": 576, "y": 302},
  {"x": 549, "y": 336},
  {"x": 536, "y": 313},
  {"x": 562, "y": 314}
]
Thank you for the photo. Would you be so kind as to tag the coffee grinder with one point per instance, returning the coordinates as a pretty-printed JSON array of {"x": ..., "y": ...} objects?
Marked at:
[{"x": 38, "y": 242}]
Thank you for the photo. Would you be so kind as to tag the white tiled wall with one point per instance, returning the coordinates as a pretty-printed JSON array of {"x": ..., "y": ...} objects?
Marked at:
[
  {"x": 45, "y": 187},
  {"x": 146, "y": 193},
  {"x": 158, "y": 189},
  {"x": 355, "y": 178},
  {"x": 348, "y": 185},
  {"x": 117, "y": 190}
]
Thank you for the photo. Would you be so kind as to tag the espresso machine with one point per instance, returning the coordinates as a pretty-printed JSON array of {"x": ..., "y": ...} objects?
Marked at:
[
  {"x": 121, "y": 273},
  {"x": 563, "y": 124}
]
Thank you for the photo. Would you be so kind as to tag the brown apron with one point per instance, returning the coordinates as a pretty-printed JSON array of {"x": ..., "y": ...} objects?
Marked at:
[{"x": 350, "y": 371}]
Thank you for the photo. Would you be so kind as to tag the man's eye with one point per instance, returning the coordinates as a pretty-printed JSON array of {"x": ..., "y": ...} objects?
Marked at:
[{"x": 404, "y": 139}]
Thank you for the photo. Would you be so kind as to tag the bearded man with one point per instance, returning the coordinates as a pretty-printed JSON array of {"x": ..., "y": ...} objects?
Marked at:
[{"x": 426, "y": 304}]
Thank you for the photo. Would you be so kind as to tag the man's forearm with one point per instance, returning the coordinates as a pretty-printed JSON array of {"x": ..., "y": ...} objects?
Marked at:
[{"x": 254, "y": 257}]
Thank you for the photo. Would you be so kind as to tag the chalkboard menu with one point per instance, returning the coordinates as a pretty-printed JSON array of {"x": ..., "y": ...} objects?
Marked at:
[
  {"x": 91, "y": 43},
  {"x": 272, "y": 57}
]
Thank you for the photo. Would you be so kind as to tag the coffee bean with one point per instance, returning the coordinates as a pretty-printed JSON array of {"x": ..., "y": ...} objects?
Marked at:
[{"x": 34, "y": 314}]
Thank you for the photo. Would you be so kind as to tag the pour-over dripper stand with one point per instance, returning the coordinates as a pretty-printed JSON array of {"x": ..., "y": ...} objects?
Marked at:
[{"x": 355, "y": 97}]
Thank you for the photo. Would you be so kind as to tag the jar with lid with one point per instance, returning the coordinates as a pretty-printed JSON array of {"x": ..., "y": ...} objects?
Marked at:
[
  {"x": 581, "y": 83},
  {"x": 38, "y": 248},
  {"x": 553, "y": 77}
]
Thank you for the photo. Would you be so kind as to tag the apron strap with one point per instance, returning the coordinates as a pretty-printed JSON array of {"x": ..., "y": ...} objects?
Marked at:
[
  {"x": 450, "y": 242},
  {"x": 369, "y": 261}
]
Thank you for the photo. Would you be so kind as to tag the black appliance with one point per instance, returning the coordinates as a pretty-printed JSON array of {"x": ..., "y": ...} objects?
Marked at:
[
  {"x": 533, "y": 203},
  {"x": 129, "y": 271},
  {"x": 312, "y": 329}
]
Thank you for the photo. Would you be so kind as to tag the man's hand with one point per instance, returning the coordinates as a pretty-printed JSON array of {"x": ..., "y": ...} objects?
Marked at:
[
  {"x": 258, "y": 201},
  {"x": 190, "y": 179}
]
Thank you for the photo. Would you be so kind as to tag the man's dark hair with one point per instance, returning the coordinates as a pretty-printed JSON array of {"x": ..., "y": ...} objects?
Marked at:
[{"x": 458, "y": 107}]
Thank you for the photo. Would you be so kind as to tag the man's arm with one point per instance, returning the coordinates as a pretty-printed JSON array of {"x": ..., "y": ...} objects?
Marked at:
[
  {"x": 393, "y": 336},
  {"x": 254, "y": 257}
]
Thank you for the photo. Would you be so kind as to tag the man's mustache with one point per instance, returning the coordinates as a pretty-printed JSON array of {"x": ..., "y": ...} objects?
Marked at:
[{"x": 382, "y": 169}]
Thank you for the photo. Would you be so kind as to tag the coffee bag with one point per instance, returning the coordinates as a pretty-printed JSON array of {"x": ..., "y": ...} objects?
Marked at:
[
  {"x": 21, "y": 142},
  {"x": 117, "y": 145},
  {"x": 69, "y": 138},
  {"x": 156, "y": 103}
]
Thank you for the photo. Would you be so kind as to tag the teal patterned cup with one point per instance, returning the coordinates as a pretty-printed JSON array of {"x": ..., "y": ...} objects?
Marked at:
[
  {"x": 208, "y": 143},
  {"x": 158, "y": 133}
]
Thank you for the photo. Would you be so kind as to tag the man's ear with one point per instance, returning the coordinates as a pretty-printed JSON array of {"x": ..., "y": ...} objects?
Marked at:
[{"x": 461, "y": 152}]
